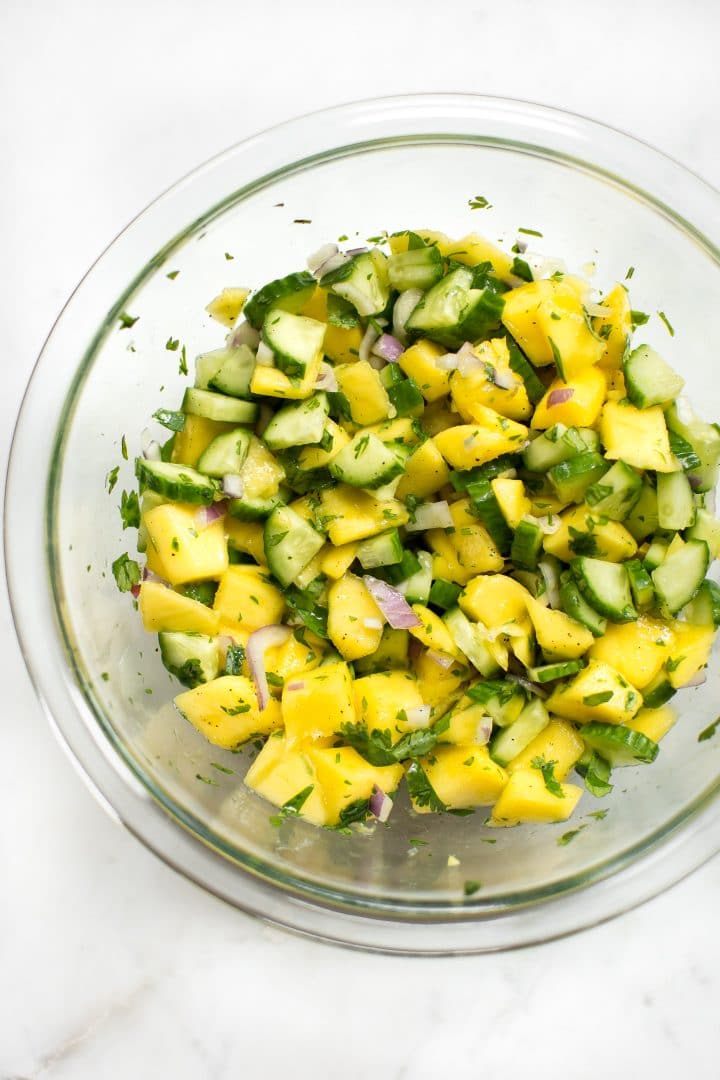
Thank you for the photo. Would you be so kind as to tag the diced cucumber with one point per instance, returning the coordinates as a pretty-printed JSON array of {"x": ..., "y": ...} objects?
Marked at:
[
  {"x": 526, "y": 545},
  {"x": 642, "y": 519},
  {"x": 192, "y": 658},
  {"x": 658, "y": 692},
  {"x": 302, "y": 424},
  {"x": 406, "y": 397},
  {"x": 416, "y": 587},
  {"x": 656, "y": 552},
  {"x": 704, "y": 608},
  {"x": 409, "y": 564},
  {"x": 202, "y": 591},
  {"x": 616, "y": 492},
  {"x": 287, "y": 294},
  {"x": 178, "y": 483},
  {"x": 417, "y": 268},
  {"x": 507, "y": 743},
  {"x": 225, "y": 454},
  {"x": 215, "y": 406},
  {"x": 589, "y": 438},
  {"x": 684, "y": 452},
  {"x": 704, "y": 439},
  {"x": 444, "y": 594},
  {"x": 649, "y": 379},
  {"x": 571, "y": 479},
  {"x": 207, "y": 366},
  {"x": 519, "y": 363},
  {"x": 680, "y": 576},
  {"x": 341, "y": 313},
  {"x": 558, "y": 443},
  {"x": 468, "y": 641},
  {"x": 676, "y": 508},
  {"x": 363, "y": 281},
  {"x": 235, "y": 372},
  {"x": 454, "y": 311},
  {"x": 367, "y": 462},
  {"x": 295, "y": 340},
  {"x": 385, "y": 549},
  {"x": 619, "y": 745},
  {"x": 290, "y": 544},
  {"x": 546, "y": 673},
  {"x": 499, "y": 466},
  {"x": 390, "y": 654},
  {"x": 253, "y": 508},
  {"x": 605, "y": 586},
  {"x": 576, "y": 606},
  {"x": 502, "y": 700},
  {"x": 641, "y": 585},
  {"x": 486, "y": 507},
  {"x": 705, "y": 527}
]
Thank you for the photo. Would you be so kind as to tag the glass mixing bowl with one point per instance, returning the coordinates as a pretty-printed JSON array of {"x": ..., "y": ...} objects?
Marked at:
[{"x": 598, "y": 197}]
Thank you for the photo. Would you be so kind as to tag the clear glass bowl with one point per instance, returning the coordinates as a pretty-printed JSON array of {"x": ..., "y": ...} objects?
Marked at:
[{"x": 597, "y": 196}]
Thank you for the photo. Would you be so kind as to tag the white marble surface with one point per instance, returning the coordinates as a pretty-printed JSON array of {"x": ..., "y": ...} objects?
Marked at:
[{"x": 111, "y": 965}]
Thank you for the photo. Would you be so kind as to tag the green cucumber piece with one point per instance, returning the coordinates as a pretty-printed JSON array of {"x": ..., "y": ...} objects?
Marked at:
[
  {"x": 571, "y": 479},
  {"x": 253, "y": 508},
  {"x": 192, "y": 658},
  {"x": 289, "y": 293},
  {"x": 704, "y": 439},
  {"x": 642, "y": 520},
  {"x": 178, "y": 483},
  {"x": 526, "y": 545},
  {"x": 510, "y": 741},
  {"x": 502, "y": 699},
  {"x": 468, "y": 641},
  {"x": 605, "y": 586},
  {"x": 705, "y": 527},
  {"x": 385, "y": 549},
  {"x": 416, "y": 268},
  {"x": 235, "y": 372},
  {"x": 658, "y": 692},
  {"x": 416, "y": 587},
  {"x": 215, "y": 406},
  {"x": 559, "y": 443},
  {"x": 641, "y": 585},
  {"x": 656, "y": 552},
  {"x": 519, "y": 363},
  {"x": 616, "y": 492},
  {"x": 649, "y": 379},
  {"x": 497, "y": 467},
  {"x": 576, "y": 606},
  {"x": 454, "y": 310},
  {"x": 301, "y": 424},
  {"x": 704, "y": 608},
  {"x": 546, "y": 673},
  {"x": 485, "y": 506},
  {"x": 290, "y": 544},
  {"x": 681, "y": 574},
  {"x": 619, "y": 745},
  {"x": 676, "y": 507},
  {"x": 367, "y": 462},
  {"x": 225, "y": 454},
  {"x": 295, "y": 340},
  {"x": 684, "y": 452},
  {"x": 202, "y": 591},
  {"x": 363, "y": 281},
  {"x": 444, "y": 594}
]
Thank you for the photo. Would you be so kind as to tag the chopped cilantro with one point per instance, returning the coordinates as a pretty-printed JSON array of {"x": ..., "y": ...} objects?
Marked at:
[
  {"x": 123, "y": 448},
  {"x": 172, "y": 275},
  {"x": 130, "y": 510},
  {"x": 172, "y": 344},
  {"x": 598, "y": 815},
  {"x": 709, "y": 731},
  {"x": 598, "y": 699},
  {"x": 565, "y": 839},
  {"x": 183, "y": 367},
  {"x": 421, "y": 790},
  {"x": 126, "y": 321},
  {"x": 126, "y": 572},
  {"x": 112, "y": 478},
  {"x": 547, "y": 768},
  {"x": 471, "y": 887},
  {"x": 234, "y": 657},
  {"x": 274, "y": 680},
  {"x": 229, "y": 257},
  {"x": 169, "y": 418},
  {"x": 521, "y": 269},
  {"x": 206, "y": 780},
  {"x": 638, "y": 318},
  {"x": 296, "y": 803},
  {"x": 236, "y": 710},
  {"x": 530, "y": 232},
  {"x": 671, "y": 329},
  {"x": 222, "y": 769},
  {"x": 630, "y": 272},
  {"x": 479, "y": 202}
]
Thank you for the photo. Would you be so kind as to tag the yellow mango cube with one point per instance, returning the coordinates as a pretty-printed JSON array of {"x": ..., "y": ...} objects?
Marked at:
[
  {"x": 425, "y": 472},
  {"x": 469, "y": 550},
  {"x": 439, "y": 686},
  {"x": 247, "y": 600},
  {"x": 559, "y": 636},
  {"x": 271, "y": 382},
  {"x": 471, "y": 250},
  {"x": 226, "y": 711},
  {"x": 191, "y": 443},
  {"x": 467, "y": 445},
  {"x": 638, "y": 650},
  {"x": 511, "y": 498},
  {"x": 690, "y": 651},
  {"x": 494, "y": 599},
  {"x": 526, "y": 800},
  {"x": 342, "y": 344},
  {"x": 438, "y": 417},
  {"x": 315, "y": 706},
  {"x": 598, "y": 692},
  {"x": 346, "y": 778},
  {"x": 336, "y": 561},
  {"x": 582, "y": 409},
  {"x": 521, "y": 316},
  {"x": 638, "y": 436},
  {"x": 573, "y": 343},
  {"x": 290, "y": 662},
  {"x": 227, "y": 305},
  {"x": 355, "y": 622},
  {"x": 313, "y": 457},
  {"x": 507, "y": 396},
  {"x": 653, "y": 723},
  {"x": 383, "y": 700},
  {"x": 559, "y": 742},
  {"x": 465, "y": 721},
  {"x": 463, "y": 777},
  {"x": 433, "y": 632},
  {"x": 582, "y": 532},
  {"x": 351, "y": 514},
  {"x": 179, "y": 549},
  {"x": 614, "y": 328},
  {"x": 365, "y": 393},
  {"x": 262, "y": 472},
  {"x": 246, "y": 536},
  {"x": 163, "y": 609},
  {"x": 281, "y": 774},
  {"x": 420, "y": 363}
]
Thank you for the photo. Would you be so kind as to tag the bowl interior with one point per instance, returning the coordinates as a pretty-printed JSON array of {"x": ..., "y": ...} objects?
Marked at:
[{"x": 265, "y": 230}]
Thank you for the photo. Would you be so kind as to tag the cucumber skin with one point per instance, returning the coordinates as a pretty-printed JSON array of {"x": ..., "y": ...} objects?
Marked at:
[
  {"x": 183, "y": 484},
  {"x": 580, "y": 571}
]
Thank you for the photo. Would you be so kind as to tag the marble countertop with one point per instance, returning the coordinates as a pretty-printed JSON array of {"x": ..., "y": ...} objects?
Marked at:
[{"x": 110, "y": 964}]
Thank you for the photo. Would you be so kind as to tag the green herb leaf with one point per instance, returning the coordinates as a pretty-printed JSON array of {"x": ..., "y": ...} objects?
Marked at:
[
  {"x": 479, "y": 202},
  {"x": 182, "y": 366},
  {"x": 112, "y": 478},
  {"x": 596, "y": 774},
  {"x": 126, "y": 321},
  {"x": 172, "y": 344},
  {"x": 709, "y": 731},
  {"x": 530, "y": 232},
  {"x": 547, "y": 768},
  {"x": 296, "y": 803},
  {"x": 638, "y": 318},
  {"x": 565, "y": 839},
  {"x": 169, "y": 418},
  {"x": 172, "y": 275},
  {"x": 130, "y": 510},
  {"x": 421, "y": 790},
  {"x": 126, "y": 572},
  {"x": 471, "y": 887},
  {"x": 521, "y": 269},
  {"x": 234, "y": 658},
  {"x": 354, "y": 811},
  {"x": 598, "y": 699},
  {"x": 665, "y": 319}
]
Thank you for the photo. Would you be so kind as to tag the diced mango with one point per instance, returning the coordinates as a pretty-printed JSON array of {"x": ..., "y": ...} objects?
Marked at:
[
  {"x": 469, "y": 550},
  {"x": 197, "y": 434},
  {"x": 290, "y": 662},
  {"x": 521, "y": 316},
  {"x": 420, "y": 362},
  {"x": 355, "y": 622},
  {"x": 425, "y": 472},
  {"x": 494, "y": 599},
  {"x": 512, "y": 500},
  {"x": 227, "y": 305},
  {"x": 163, "y": 609},
  {"x": 598, "y": 692},
  {"x": 506, "y": 396},
  {"x": 582, "y": 409},
  {"x": 247, "y": 600},
  {"x": 226, "y": 711},
  {"x": 548, "y": 321},
  {"x": 638, "y": 436},
  {"x": 281, "y": 774},
  {"x": 383, "y": 700},
  {"x": 690, "y": 651},
  {"x": 179, "y": 549},
  {"x": 638, "y": 650},
  {"x": 614, "y": 328},
  {"x": 439, "y": 686},
  {"x": 365, "y": 393},
  {"x": 653, "y": 723},
  {"x": 558, "y": 742},
  {"x": 346, "y": 778},
  {"x": 471, "y": 250},
  {"x": 246, "y": 536},
  {"x": 433, "y": 632},
  {"x": 463, "y": 777},
  {"x": 438, "y": 417},
  {"x": 351, "y": 514},
  {"x": 583, "y": 532},
  {"x": 525, "y": 799},
  {"x": 316, "y": 706},
  {"x": 271, "y": 382},
  {"x": 465, "y": 722},
  {"x": 342, "y": 344},
  {"x": 335, "y": 561},
  {"x": 559, "y": 636},
  {"x": 313, "y": 457},
  {"x": 262, "y": 472},
  {"x": 467, "y": 445}
]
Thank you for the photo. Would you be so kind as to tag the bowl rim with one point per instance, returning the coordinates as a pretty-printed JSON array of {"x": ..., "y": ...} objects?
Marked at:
[{"x": 321, "y": 913}]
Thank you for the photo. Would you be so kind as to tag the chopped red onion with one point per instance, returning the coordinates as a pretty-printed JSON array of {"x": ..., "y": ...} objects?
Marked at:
[
  {"x": 698, "y": 679},
  {"x": 388, "y": 348},
  {"x": 244, "y": 334},
  {"x": 419, "y": 717},
  {"x": 403, "y": 308},
  {"x": 372, "y": 624},
  {"x": 298, "y": 684},
  {"x": 483, "y": 731},
  {"x": 326, "y": 380},
  {"x": 380, "y": 804},
  {"x": 259, "y": 641},
  {"x": 356, "y": 251},
  {"x": 150, "y": 575},
  {"x": 431, "y": 515},
  {"x": 560, "y": 396},
  {"x": 440, "y": 658},
  {"x": 317, "y": 260},
  {"x": 265, "y": 355},
  {"x": 369, "y": 338},
  {"x": 233, "y": 486},
  {"x": 135, "y": 590},
  {"x": 552, "y": 582},
  {"x": 531, "y": 687},
  {"x": 208, "y": 515},
  {"x": 392, "y": 604}
]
